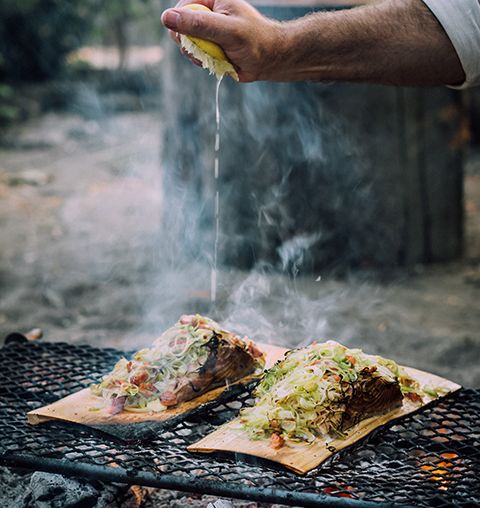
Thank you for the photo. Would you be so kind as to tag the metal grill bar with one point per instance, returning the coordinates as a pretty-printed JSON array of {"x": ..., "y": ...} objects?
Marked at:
[
  {"x": 431, "y": 458},
  {"x": 119, "y": 475}
]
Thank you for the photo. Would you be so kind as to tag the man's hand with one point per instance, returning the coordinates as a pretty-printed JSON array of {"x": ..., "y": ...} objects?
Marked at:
[
  {"x": 251, "y": 42},
  {"x": 395, "y": 42}
]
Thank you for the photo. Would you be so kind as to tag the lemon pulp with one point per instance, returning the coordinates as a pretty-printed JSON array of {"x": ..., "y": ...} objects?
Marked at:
[{"x": 210, "y": 54}]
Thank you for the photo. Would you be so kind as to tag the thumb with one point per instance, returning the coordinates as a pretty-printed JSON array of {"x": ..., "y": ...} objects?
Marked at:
[{"x": 206, "y": 25}]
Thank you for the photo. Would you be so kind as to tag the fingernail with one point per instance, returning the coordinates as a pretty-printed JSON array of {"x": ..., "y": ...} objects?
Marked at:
[{"x": 170, "y": 19}]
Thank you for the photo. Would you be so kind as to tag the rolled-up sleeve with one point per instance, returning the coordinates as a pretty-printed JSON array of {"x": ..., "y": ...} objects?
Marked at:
[{"x": 461, "y": 21}]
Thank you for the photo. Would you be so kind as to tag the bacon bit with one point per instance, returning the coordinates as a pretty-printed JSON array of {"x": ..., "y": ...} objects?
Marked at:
[
  {"x": 276, "y": 441},
  {"x": 351, "y": 359},
  {"x": 406, "y": 381},
  {"x": 129, "y": 366},
  {"x": 414, "y": 397},
  {"x": 147, "y": 387},
  {"x": 369, "y": 370},
  {"x": 139, "y": 378},
  {"x": 178, "y": 342},
  {"x": 254, "y": 350},
  {"x": 336, "y": 378},
  {"x": 168, "y": 399},
  {"x": 116, "y": 405},
  {"x": 185, "y": 319},
  {"x": 274, "y": 424}
]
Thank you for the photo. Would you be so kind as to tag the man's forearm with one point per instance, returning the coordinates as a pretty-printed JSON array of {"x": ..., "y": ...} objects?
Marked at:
[
  {"x": 393, "y": 42},
  {"x": 396, "y": 42}
]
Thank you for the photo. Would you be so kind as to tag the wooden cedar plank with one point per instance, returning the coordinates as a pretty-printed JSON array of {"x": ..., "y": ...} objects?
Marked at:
[
  {"x": 302, "y": 458},
  {"x": 77, "y": 408}
]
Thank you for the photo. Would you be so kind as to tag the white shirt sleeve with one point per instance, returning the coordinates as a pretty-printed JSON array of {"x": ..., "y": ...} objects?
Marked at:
[{"x": 461, "y": 21}]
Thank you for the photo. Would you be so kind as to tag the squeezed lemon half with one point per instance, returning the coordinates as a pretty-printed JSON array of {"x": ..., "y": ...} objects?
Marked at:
[{"x": 210, "y": 54}]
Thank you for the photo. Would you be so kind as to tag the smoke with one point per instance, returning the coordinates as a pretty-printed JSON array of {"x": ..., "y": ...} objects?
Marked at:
[
  {"x": 114, "y": 239},
  {"x": 270, "y": 309},
  {"x": 298, "y": 199},
  {"x": 292, "y": 252},
  {"x": 132, "y": 236}
]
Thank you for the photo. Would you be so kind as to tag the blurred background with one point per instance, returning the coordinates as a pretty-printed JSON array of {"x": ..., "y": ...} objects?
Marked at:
[{"x": 347, "y": 212}]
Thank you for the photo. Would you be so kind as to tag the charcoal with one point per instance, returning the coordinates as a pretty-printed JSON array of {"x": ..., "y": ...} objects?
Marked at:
[
  {"x": 46, "y": 490},
  {"x": 221, "y": 503}
]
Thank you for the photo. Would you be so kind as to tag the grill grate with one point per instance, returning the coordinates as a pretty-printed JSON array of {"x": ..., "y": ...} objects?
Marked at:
[{"x": 431, "y": 458}]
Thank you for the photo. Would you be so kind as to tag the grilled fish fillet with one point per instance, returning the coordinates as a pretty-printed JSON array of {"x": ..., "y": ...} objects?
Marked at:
[
  {"x": 322, "y": 390},
  {"x": 370, "y": 396},
  {"x": 190, "y": 358},
  {"x": 227, "y": 362}
]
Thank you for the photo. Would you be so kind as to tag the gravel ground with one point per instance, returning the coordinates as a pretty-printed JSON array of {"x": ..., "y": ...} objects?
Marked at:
[{"x": 82, "y": 257}]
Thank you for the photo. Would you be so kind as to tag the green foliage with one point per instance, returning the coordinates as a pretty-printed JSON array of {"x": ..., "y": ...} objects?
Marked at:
[
  {"x": 35, "y": 35},
  {"x": 8, "y": 110},
  {"x": 23, "y": 7},
  {"x": 114, "y": 19},
  {"x": 122, "y": 8}
]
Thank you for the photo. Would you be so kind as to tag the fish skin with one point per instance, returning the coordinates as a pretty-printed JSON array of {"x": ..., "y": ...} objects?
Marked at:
[
  {"x": 226, "y": 363},
  {"x": 370, "y": 395}
]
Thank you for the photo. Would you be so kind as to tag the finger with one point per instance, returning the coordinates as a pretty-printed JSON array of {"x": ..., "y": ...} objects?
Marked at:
[{"x": 206, "y": 25}]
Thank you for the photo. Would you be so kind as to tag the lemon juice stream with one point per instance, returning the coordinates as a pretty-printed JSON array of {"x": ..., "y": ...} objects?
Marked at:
[{"x": 213, "y": 274}]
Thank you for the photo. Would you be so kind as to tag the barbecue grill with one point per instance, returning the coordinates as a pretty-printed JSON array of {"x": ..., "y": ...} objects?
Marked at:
[{"x": 430, "y": 458}]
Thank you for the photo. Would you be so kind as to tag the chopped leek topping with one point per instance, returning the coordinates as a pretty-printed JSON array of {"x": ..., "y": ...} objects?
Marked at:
[
  {"x": 305, "y": 395},
  {"x": 182, "y": 349}
]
